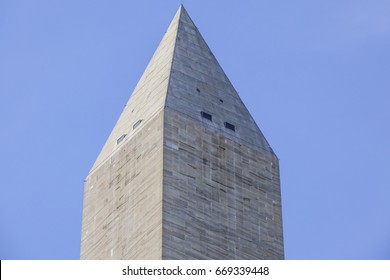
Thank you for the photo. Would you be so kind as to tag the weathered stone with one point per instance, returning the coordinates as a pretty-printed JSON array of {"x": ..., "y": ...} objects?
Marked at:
[{"x": 186, "y": 173}]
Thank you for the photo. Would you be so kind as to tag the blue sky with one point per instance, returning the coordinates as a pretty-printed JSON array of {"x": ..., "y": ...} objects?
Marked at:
[{"x": 315, "y": 76}]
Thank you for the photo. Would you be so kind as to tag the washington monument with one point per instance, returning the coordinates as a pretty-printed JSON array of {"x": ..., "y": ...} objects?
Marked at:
[{"x": 185, "y": 173}]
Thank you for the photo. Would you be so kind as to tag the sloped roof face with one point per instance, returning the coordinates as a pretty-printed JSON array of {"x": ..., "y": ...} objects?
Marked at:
[
  {"x": 198, "y": 83},
  {"x": 184, "y": 75},
  {"x": 148, "y": 96}
]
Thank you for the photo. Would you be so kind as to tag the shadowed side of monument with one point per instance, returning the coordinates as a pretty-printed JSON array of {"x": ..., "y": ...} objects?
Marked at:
[{"x": 221, "y": 177}]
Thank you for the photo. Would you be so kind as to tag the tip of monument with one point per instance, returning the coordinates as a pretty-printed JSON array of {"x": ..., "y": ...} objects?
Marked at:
[{"x": 181, "y": 7}]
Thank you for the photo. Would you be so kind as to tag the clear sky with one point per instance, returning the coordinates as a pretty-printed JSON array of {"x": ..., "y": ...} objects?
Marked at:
[{"x": 315, "y": 76}]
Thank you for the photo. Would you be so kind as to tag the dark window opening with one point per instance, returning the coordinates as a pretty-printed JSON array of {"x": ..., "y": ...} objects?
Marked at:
[
  {"x": 137, "y": 124},
  {"x": 120, "y": 139},
  {"x": 230, "y": 126},
  {"x": 206, "y": 116}
]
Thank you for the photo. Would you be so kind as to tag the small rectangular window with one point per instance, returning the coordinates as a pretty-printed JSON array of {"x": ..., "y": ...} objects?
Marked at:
[
  {"x": 120, "y": 139},
  {"x": 137, "y": 124},
  {"x": 230, "y": 126},
  {"x": 206, "y": 116}
]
